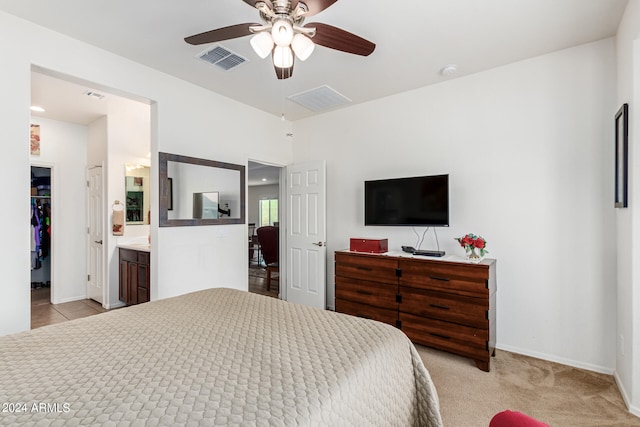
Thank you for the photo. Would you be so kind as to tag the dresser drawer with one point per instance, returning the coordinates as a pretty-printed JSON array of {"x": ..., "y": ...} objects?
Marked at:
[
  {"x": 463, "y": 340},
  {"x": 445, "y": 306},
  {"x": 371, "y": 268},
  {"x": 371, "y": 293},
  {"x": 367, "y": 311},
  {"x": 463, "y": 279}
]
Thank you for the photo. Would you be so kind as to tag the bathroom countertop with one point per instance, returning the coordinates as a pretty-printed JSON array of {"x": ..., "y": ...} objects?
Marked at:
[{"x": 146, "y": 247}]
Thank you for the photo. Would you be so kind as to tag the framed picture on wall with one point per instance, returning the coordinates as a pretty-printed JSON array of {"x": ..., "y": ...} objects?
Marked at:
[{"x": 622, "y": 156}]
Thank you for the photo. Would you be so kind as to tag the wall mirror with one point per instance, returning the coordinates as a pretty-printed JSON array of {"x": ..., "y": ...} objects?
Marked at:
[
  {"x": 137, "y": 195},
  {"x": 200, "y": 192}
]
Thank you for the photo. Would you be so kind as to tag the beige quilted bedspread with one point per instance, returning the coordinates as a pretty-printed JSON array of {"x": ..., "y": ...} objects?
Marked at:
[{"x": 215, "y": 357}]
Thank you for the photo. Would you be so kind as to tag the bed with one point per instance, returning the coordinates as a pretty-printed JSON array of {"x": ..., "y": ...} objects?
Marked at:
[{"x": 215, "y": 357}]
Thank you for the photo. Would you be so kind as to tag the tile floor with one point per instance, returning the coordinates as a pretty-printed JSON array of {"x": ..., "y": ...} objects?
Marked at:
[{"x": 44, "y": 313}]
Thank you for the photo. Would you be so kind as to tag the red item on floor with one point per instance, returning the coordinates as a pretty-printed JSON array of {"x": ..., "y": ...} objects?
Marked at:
[{"x": 514, "y": 419}]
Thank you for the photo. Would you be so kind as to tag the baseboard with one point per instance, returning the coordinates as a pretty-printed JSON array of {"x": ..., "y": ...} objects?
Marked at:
[
  {"x": 116, "y": 305},
  {"x": 561, "y": 360},
  {"x": 633, "y": 409}
]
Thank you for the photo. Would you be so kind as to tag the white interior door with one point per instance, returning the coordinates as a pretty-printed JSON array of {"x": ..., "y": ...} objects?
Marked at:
[
  {"x": 306, "y": 234},
  {"x": 95, "y": 215}
]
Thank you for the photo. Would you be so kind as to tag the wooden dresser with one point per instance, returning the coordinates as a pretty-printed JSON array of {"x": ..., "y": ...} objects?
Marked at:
[
  {"x": 438, "y": 303},
  {"x": 134, "y": 276}
]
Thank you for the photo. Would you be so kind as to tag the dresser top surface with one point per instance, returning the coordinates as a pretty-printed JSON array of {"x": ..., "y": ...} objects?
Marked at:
[{"x": 405, "y": 255}]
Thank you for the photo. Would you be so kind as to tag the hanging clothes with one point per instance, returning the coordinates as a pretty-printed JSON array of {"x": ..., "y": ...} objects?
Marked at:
[
  {"x": 45, "y": 229},
  {"x": 35, "y": 236},
  {"x": 41, "y": 232}
]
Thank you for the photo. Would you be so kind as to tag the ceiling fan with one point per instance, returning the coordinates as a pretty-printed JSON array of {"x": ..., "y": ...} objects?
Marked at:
[{"x": 282, "y": 34}]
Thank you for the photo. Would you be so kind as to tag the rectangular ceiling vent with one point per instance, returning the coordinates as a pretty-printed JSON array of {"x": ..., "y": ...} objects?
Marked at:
[
  {"x": 320, "y": 99},
  {"x": 93, "y": 94},
  {"x": 222, "y": 58}
]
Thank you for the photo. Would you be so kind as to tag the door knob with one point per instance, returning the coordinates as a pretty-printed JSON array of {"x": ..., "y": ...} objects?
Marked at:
[
  {"x": 98, "y": 242},
  {"x": 319, "y": 244}
]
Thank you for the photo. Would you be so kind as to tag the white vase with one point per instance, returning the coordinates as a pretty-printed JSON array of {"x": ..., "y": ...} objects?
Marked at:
[{"x": 474, "y": 255}]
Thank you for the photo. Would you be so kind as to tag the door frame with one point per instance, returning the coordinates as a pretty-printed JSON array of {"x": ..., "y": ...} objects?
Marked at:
[
  {"x": 282, "y": 290},
  {"x": 284, "y": 226},
  {"x": 53, "y": 252}
]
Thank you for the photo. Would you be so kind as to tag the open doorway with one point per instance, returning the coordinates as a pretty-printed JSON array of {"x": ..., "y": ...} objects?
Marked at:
[
  {"x": 263, "y": 218},
  {"x": 40, "y": 236},
  {"x": 82, "y": 125}
]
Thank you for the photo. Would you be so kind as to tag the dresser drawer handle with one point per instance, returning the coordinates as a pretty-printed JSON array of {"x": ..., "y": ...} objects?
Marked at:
[
  {"x": 440, "y": 336},
  {"x": 441, "y": 307},
  {"x": 444, "y": 279},
  {"x": 360, "y": 291},
  {"x": 363, "y": 268}
]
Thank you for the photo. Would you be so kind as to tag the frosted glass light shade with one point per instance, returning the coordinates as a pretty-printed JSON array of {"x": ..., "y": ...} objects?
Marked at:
[
  {"x": 302, "y": 46},
  {"x": 262, "y": 44},
  {"x": 282, "y": 57},
  {"x": 282, "y": 33}
]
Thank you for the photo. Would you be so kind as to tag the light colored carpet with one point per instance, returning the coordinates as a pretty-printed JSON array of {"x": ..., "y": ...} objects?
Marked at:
[{"x": 556, "y": 394}]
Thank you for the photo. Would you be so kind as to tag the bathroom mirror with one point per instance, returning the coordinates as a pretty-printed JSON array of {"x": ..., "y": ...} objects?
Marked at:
[
  {"x": 197, "y": 191},
  {"x": 137, "y": 195}
]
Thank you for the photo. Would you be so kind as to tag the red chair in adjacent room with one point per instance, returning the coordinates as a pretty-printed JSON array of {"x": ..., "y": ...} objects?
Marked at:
[{"x": 269, "y": 240}]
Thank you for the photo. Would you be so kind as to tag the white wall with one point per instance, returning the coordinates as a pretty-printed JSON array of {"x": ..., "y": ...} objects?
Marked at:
[
  {"x": 63, "y": 147},
  {"x": 183, "y": 259},
  {"x": 14, "y": 178},
  {"x": 627, "y": 220},
  {"x": 528, "y": 150}
]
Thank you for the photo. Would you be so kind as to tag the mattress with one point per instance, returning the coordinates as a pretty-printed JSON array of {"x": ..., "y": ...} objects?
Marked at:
[{"x": 215, "y": 357}]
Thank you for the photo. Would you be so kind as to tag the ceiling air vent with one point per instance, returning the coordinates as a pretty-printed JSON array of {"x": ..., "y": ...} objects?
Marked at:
[
  {"x": 222, "y": 58},
  {"x": 93, "y": 94},
  {"x": 320, "y": 99}
]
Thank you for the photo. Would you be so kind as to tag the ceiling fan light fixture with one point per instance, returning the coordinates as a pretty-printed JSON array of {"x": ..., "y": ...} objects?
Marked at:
[
  {"x": 302, "y": 46},
  {"x": 282, "y": 33},
  {"x": 262, "y": 44},
  {"x": 282, "y": 57}
]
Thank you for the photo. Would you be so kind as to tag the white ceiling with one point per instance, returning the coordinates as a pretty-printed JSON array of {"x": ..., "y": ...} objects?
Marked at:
[
  {"x": 261, "y": 174},
  {"x": 415, "y": 39}
]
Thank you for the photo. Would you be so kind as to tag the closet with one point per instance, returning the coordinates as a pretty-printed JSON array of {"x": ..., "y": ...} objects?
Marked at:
[{"x": 40, "y": 227}]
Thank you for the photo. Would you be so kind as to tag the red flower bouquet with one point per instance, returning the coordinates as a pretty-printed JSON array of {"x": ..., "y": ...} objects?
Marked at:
[{"x": 471, "y": 242}]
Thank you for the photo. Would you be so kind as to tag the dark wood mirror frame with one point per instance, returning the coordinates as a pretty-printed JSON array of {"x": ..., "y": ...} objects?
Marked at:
[{"x": 165, "y": 190}]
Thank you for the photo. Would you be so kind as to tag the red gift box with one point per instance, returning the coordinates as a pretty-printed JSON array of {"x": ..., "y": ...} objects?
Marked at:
[{"x": 375, "y": 246}]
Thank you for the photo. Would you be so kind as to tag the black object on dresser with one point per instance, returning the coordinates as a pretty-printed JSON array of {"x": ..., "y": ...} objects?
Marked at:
[
  {"x": 134, "y": 276},
  {"x": 442, "y": 304}
]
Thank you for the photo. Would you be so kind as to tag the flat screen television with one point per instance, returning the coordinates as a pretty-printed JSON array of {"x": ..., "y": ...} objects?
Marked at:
[{"x": 415, "y": 201}]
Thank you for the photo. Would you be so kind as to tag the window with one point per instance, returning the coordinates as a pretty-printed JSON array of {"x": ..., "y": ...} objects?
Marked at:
[{"x": 268, "y": 211}]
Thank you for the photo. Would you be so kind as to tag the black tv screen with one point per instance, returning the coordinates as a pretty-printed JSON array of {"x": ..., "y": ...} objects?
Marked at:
[{"x": 416, "y": 201}]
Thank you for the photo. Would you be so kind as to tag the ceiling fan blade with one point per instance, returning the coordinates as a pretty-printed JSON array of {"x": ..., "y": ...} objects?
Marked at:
[
  {"x": 336, "y": 38},
  {"x": 220, "y": 34},
  {"x": 317, "y": 6}
]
